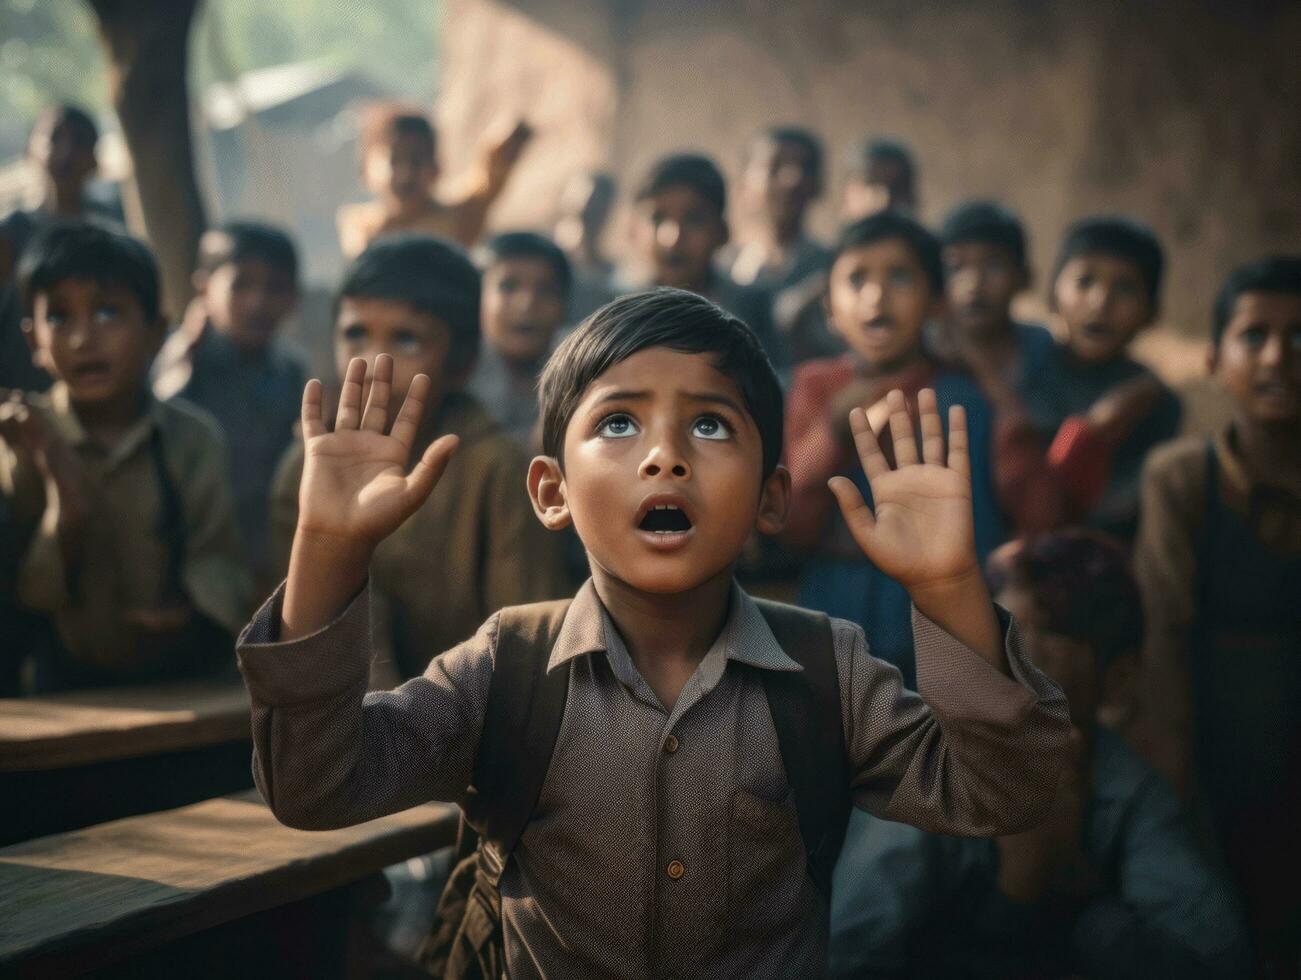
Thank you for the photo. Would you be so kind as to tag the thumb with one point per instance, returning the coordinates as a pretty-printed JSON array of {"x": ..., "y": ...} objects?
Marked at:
[
  {"x": 429, "y": 469},
  {"x": 859, "y": 516}
]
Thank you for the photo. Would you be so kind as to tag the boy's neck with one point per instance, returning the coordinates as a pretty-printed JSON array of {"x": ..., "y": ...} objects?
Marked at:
[
  {"x": 667, "y": 635},
  {"x": 107, "y": 420},
  {"x": 915, "y": 358},
  {"x": 522, "y": 370},
  {"x": 63, "y": 201}
]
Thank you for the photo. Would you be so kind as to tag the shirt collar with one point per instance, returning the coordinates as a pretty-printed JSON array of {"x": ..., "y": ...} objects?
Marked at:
[
  {"x": 69, "y": 426},
  {"x": 746, "y": 636}
]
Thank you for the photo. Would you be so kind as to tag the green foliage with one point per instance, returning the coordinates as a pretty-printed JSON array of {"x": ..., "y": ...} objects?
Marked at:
[{"x": 49, "y": 49}]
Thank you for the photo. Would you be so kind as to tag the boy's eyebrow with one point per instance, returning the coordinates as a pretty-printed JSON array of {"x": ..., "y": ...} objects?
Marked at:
[{"x": 624, "y": 394}]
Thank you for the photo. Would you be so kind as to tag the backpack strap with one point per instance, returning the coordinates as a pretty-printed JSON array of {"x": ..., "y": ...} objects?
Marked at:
[
  {"x": 520, "y": 725},
  {"x": 806, "y": 711}
]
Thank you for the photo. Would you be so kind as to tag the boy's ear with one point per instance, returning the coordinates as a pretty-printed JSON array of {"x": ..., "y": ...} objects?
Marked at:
[
  {"x": 29, "y": 333},
  {"x": 1212, "y": 357},
  {"x": 546, "y": 485},
  {"x": 725, "y": 232},
  {"x": 774, "y": 502}
]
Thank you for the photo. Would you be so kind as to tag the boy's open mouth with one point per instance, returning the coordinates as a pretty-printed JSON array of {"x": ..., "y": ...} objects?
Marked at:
[{"x": 665, "y": 519}]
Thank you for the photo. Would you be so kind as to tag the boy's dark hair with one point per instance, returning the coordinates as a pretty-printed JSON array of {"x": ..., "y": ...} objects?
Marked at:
[
  {"x": 663, "y": 317},
  {"x": 877, "y": 149},
  {"x": 431, "y": 275},
  {"x": 80, "y": 250},
  {"x": 805, "y": 139},
  {"x": 386, "y": 121},
  {"x": 988, "y": 223},
  {"x": 691, "y": 170},
  {"x": 525, "y": 245},
  {"x": 77, "y": 119},
  {"x": 891, "y": 224},
  {"x": 236, "y": 241},
  {"x": 1121, "y": 237},
  {"x": 1272, "y": 274},
  {"x": 1081, "y": 585}
]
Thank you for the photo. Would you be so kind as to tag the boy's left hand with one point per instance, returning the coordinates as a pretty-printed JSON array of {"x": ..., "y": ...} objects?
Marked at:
[{"x": 922, "y": 532}]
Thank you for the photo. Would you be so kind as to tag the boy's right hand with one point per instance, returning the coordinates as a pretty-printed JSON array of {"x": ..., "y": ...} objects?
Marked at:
[
  {"x": 355, "y": 491},
  {"x": 355, "y": 484}
]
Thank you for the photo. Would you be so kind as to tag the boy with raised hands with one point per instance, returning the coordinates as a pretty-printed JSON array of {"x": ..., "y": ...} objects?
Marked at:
[{"x": 706, "y": 746}]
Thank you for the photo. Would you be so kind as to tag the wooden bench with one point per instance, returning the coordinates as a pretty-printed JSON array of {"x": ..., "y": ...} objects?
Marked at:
[
  {"x": 77, "y": 758},
  {"x": 111, "y": 893}
]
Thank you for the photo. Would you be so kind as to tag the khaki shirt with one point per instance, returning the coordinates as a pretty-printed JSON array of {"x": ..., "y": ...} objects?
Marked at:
[
  {"x": 665, "y": 841},
  {"x": 472, "y": 548},
  {"x": 1165, "y": 552},
  {"x": 125, "y": 562}
]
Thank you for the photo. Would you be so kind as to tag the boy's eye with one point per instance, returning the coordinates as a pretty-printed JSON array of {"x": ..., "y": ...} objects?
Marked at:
[
  {"x": 55, "y": 320},
  {"x": 901, "y": 277},
  {"x": 617, "y": 427},
  {"x": 354, "y": 334},
  {"x": 1254, "y": 337},
  {"x": 858, "y": 279},
  {"x": 106, "y": 314},
  {"x": 405, "y": 342},
  {"x": 711, "y": 427},
  {"x": 1083, "y": 282}
]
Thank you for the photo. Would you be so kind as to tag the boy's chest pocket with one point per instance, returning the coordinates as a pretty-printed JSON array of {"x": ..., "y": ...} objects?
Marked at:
[{"x": 766, "y": 877}]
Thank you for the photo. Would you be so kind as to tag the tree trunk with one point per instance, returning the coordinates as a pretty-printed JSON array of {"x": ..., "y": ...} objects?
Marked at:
[{"x": 147, "y": 42}]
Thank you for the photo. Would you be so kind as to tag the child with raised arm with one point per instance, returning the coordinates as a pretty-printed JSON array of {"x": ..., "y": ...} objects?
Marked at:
[{"x": 665, "y": 838}]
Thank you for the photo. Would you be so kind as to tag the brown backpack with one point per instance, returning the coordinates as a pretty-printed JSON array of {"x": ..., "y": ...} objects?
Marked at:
[{"x": 522, "y": 720}]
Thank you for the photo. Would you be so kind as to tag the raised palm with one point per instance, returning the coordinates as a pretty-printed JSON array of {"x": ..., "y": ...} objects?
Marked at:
[
  {"x": 921, "y": 533},
  {"x": 355, "y": 484}
]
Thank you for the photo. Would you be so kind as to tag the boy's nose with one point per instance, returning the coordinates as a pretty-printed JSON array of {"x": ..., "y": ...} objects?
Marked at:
[
  {"x": 664, "y": 459},
  {"x": 667, "y": 234}
]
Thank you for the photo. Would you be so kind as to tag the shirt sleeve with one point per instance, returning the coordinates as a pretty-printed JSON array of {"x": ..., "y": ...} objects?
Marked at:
[
  {"x": 325, "y": 753},
  {"x": 977, "y": 753},
  {"x": 1165, "y": 565},
  {"x": 1171, "y": 915}
]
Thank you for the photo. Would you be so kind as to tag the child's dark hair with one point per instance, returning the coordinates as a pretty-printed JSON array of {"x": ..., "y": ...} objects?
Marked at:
[
  {"x": 988, "y": 223},
  {"x": 886, "y": 225},
  {"x": 1272, "y": 274},
  {"x": 80, "y": 250},
  {"x": 525, "y": 245},
  {"x": 1121, "y": 237},
  {"x": 236, "y": 241},
  {"x": 386, "y": 121},
  {"x": 692, "y": 170},
  {"x": 805, "y": 139},
  {"x": 1081, "y": 586},
  {"x": 877, "y": 149},
  {"x": 431, "y": 275},
  {"x": 664, "y": 317},
  {"x": 77, "y": 120}
]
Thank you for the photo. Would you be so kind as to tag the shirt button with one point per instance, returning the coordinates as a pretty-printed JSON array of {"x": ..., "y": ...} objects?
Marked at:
[
  {"x": 675, "y": 870},
  {"x": 671, "y": 744}
]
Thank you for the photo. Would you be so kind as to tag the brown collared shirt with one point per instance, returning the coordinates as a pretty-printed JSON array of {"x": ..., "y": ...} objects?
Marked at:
[
  {"x": 666, "y": 841},
  {"x": 125, "y": 563}
]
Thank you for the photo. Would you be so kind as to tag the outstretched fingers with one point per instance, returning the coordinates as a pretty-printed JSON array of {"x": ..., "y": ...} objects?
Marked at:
[
  {"x": 349, "y": 416},
  {"x": 381, "y": 385},
  {"x": 858, "y": 516},
  {"x": 866, "y": 444},
  {"x": 901, "y": 429},
  {"x": 412, "y": 411},
  {"x": 959, "y": 455},
  {"x": 932, "y": 431},
  {"x": 313, "y": 424},
  {"x": 429, "y": 469}
]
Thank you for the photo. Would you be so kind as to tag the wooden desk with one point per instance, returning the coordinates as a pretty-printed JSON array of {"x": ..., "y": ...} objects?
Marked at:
[
  {"x": 77, "y": 758},
  {"x": 86, "y": 899},
  {"x": 75, "y": 728}
]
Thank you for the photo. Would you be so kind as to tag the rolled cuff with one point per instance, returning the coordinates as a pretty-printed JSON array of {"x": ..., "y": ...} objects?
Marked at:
[{"x": 320, "y": 665}]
